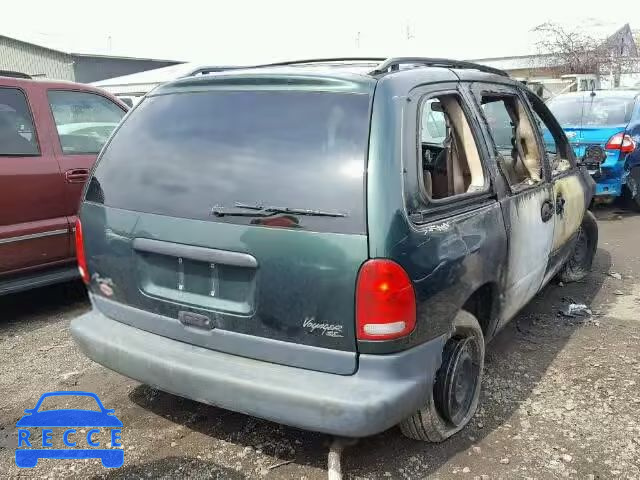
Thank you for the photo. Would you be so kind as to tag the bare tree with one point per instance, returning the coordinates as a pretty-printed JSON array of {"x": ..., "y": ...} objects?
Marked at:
[{"x": 571, "y": 50}]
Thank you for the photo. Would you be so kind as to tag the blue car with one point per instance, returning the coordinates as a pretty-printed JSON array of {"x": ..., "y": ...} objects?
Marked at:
[
  {"x": 603, "y": 126},
  {"x": 69, "y": 419}
]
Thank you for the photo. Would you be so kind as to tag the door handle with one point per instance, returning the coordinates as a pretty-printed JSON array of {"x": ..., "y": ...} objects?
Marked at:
[
  {"x": 76, "y": 175},
  {"x": 560, "y": 201},
  {"x": 546, "y": 212}
]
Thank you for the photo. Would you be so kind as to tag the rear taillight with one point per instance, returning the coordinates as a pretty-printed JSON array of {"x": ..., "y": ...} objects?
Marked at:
[
  {"x": 385, "y": 301},
  {"x": 622, "y": 142},
  {"x": 82, "y": 261}
]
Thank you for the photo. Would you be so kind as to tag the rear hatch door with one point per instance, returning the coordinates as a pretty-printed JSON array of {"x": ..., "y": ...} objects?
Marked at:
[{"x": 234, "y": 219}]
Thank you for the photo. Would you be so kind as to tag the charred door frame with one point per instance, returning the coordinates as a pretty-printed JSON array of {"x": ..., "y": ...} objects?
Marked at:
[
  {"x": 517, "y": 292},
  {"x": 420, "y": 208},
  {"x": 568, "y": 181}
]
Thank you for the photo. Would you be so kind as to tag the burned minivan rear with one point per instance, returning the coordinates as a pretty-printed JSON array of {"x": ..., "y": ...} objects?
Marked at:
[{"x": 222, "y": 236}]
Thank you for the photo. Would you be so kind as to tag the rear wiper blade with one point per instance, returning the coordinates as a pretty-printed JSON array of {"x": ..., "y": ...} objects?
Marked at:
[
  {"x": 225, "y": 212},
  {"x": 262, "y": 211},
  {"x": 293, "y": 211}
]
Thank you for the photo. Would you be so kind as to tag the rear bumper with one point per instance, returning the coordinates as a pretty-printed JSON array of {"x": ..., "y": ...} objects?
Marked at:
[
  {"x": 384, "y": 390},
  {"x": 608, "y": 189},
  {"x": 610, "y": 178},
  {"x": 609, "y": 183}
]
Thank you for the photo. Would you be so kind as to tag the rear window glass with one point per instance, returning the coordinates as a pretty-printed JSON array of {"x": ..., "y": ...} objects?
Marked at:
[
  {"x": 592, "y": 111},
  {"x": 185, "y": 154}
]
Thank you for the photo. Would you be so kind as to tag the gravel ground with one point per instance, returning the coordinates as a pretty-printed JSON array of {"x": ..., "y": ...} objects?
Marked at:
[{"x": 560, "y": 396}]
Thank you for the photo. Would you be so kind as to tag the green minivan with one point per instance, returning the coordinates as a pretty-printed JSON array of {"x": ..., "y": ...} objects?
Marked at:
[{"x": 328, "y": 244}]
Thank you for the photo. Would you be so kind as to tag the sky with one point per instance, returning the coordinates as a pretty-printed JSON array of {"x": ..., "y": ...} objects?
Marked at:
[{"x": 245, "y": 32}]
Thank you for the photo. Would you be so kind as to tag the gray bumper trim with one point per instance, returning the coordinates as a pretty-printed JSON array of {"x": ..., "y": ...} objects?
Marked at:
[
  {"x": 259, "y": 348},
  {"x": 384, "y": 390}
]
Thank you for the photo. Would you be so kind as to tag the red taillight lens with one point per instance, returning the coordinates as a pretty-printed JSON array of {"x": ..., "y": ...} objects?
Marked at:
[
  {"x": 622, "y": 142},
  {"x": 385, "y": 301},
  {"x": 82, "y": 261}
]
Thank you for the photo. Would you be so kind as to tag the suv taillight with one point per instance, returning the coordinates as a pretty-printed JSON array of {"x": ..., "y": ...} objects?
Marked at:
[
  {"x": 622, "y": 142},
  {"x": 385, "y": 301},
  {"x": 82, "y": 261}
]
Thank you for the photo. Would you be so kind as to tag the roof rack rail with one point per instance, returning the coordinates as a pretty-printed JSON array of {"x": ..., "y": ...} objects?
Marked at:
[
  {"x": 213, "y": 69},
  {"x": 324, "y": 60},
  {"x": 393, "y": 63},
  {"x": 9, "y": 73},
  {"x": 384, "y": 65}
]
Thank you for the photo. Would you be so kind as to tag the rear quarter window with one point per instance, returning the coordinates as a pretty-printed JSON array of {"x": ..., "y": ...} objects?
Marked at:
[{"x": 184, "y": 154}]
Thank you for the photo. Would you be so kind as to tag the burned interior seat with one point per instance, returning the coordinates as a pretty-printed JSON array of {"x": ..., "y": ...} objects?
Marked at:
[
  {"x": 528, "y": 146},
  {"x": 523, "y": 165}
]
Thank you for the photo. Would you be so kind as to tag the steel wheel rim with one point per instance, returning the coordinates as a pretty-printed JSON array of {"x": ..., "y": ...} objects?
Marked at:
[{"x": 457, "y": 381}]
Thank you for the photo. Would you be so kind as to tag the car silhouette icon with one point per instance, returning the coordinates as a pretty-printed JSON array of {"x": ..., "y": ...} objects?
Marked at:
[{"x": 69, "y": 419}]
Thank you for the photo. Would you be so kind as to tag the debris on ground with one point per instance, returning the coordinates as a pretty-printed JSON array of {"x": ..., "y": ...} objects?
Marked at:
[
  {"x": 286, "y": 462},
  {"x": 615, "y": 275},
  {"x": 66, "y": 376},
  {"x": 575, "y": 310}
]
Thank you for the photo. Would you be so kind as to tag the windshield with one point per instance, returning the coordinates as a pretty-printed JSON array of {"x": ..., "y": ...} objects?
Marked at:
[
  {"x": 188, "y": 154},
  {"x": 592, "y": 111}
]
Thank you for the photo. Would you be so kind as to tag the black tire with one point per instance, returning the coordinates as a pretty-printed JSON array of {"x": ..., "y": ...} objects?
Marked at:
[
  {"x": 435, "y": 421},
  {"x": 578, "y": 265}
]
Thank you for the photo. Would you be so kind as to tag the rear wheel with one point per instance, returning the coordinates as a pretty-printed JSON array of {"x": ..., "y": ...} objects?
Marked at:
[
  {"x": 456, "y": 391},
  {"x": 579, "y": 262}
]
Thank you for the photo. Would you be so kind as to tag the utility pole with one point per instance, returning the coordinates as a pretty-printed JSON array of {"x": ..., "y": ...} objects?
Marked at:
[{"x": 409, "y": 32}]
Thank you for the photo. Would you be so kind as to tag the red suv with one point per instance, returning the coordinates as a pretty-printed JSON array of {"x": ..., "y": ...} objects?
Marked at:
[{"x": 50, "y": 135}]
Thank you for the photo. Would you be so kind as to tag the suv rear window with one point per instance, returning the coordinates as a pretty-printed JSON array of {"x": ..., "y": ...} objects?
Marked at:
[{"x": 183, "y": 154}]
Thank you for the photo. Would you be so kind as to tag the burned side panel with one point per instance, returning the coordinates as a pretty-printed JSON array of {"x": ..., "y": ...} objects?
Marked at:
[
  {"x": 572, "y": 193},
  {"x": 530, "y": 230},
  {"x": 447, "y": 260},
  {"x": 569, "y": 192}
]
